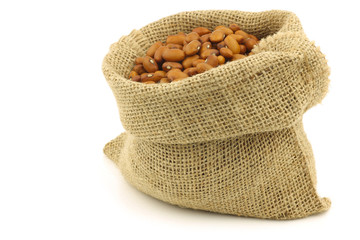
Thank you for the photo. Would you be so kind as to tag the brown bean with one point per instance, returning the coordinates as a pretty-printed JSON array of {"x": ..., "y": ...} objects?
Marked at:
[
  {"x": 249, "y": 43},
  {"x": 234, "y": 27},
  {"x": 202, "y": 67},
  {"x": 181, "y": 33},
  {"x": 136, "y": 78},
  {"x": 209, "y": 52},
  {"x": 226, "y": 30},
  {"x": 217, "y": 36},
  {"x": 237, "y": 37},
  {"x": 139, "y": 68},
  {"x": 173, "y": 55},
  {"x": 251, "y": 53},
  {"x": 221, "y": 59},
  {"x": 201, "y": 31},
  {"x": 232, "y": 44},
  {"x": 242, "y": 49},
  {"x": 197, "y": 61},
  {"x": 160, "y": 73},
  {"x": 149, "y": 82},
  {"x": 139, "y": 60},
  {"x": 177, "y": 39},
  {"x": 187, "y": 63},
  {"x": 167, "y": 66},
  {"x": 205, "y": 46},
  {"x": 192, "y": 48},
  {"x": 150, "y": 64},
  {"x": 174, "y": 46},
  {"x": 226, "y": 52},
  {"x": 151, "y": 51},
  {"x": 172, "y": 75},
  {"x": 172, "y": 71},
  {"x": 191, "y": 71},
  {"x": 253, "y": 37},
  {"x": 158, "y": 54},
  {"x": 220, "y": 45},
  {"x": 237, "y": 56},
  {"x": 144, "y": 75},
  {"x": 150, "y": 77},
  {"x": 133, "y": 73},
  {"x": 205, "y": 38},
  {"x": 242, "y": 33},
  {"x": 212, "y": 60},
  {"x": 192, "y": 36},
  {"x": 164, "y": 80}
]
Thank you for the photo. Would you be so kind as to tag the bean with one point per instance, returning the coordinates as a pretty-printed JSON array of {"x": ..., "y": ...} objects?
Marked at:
[
  {"x": 172, "y": 71},
  {"x": 226, "y": 53},
  {"x": 149, "y": 82},
  {"x": 249, "y": 43},
  {"x": 242, "y": 49},
  {"x": 173, "y": 55},
  {"x": 139, "y": 60},
  {"x": 150, "y": 64},
  {"x": 192, "y": 48},
  {"x": 237, "y": 37},
  {"x": 133, "y": 73},
  {"x": 227, "y": 31},
  {"x": 187, "y": 63},
  {"x": 196, "y": 62},
  {"x": 220, "y": 45},
  {"x": 242, "y": 33},
  {"x": 202, "y": 67},
  {"x": 217, "y": 36},
  {"x": 177, "y": 39},
  {"x": 253, "y": 37},
  {"x": 139, "y": 68},
  {"x": 172, "y": 75},
  {"x": 164, "y": 80},
  {"x": 136, "y": 78},
  {"x": 167, "y": 66},
  {"x": 150, "y": 77},
  {"x": 158, "y": 54},
  {"x": 212, "y": 60},
  {"x": 205, "y": 46},
  {"x": 174, "y": 46},
  {"x": 205, "y": 38},
  {"x": 201, "y": 31},
  {"x": 191, "y": 71},
  {"x": 237, "y": 56},
  {"x": 232, "y": 44},
  {"x": 160, "y": 73},
  {"x": 234, "y": 27},
  {"x": 209, "y": 52},
  {"x": 221, "y": 59},
  {"x": 192, "y": 36},
  {"x": 151, "y": 51},
  {"x": 144, "y": 75}
]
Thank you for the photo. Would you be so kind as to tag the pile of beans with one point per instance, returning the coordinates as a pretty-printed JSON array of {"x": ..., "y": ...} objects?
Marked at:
[{"x": 185, "y": 55}]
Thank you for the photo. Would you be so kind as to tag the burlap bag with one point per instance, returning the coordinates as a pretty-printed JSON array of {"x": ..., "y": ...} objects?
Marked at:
[{"x": 229, "y": 140}]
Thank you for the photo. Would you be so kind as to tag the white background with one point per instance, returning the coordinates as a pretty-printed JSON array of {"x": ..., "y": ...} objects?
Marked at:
[{"x": 57, "y": 112}]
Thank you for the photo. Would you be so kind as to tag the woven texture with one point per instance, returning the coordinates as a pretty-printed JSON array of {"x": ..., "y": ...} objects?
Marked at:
[{"x": 229, "y": 140}]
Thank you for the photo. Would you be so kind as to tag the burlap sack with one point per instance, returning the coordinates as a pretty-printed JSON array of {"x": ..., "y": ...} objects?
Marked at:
[{"x": 229, "y": 140}]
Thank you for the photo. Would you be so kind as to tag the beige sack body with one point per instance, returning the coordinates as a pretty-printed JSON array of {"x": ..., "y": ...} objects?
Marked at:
[{"x": 229, "y": 140}]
